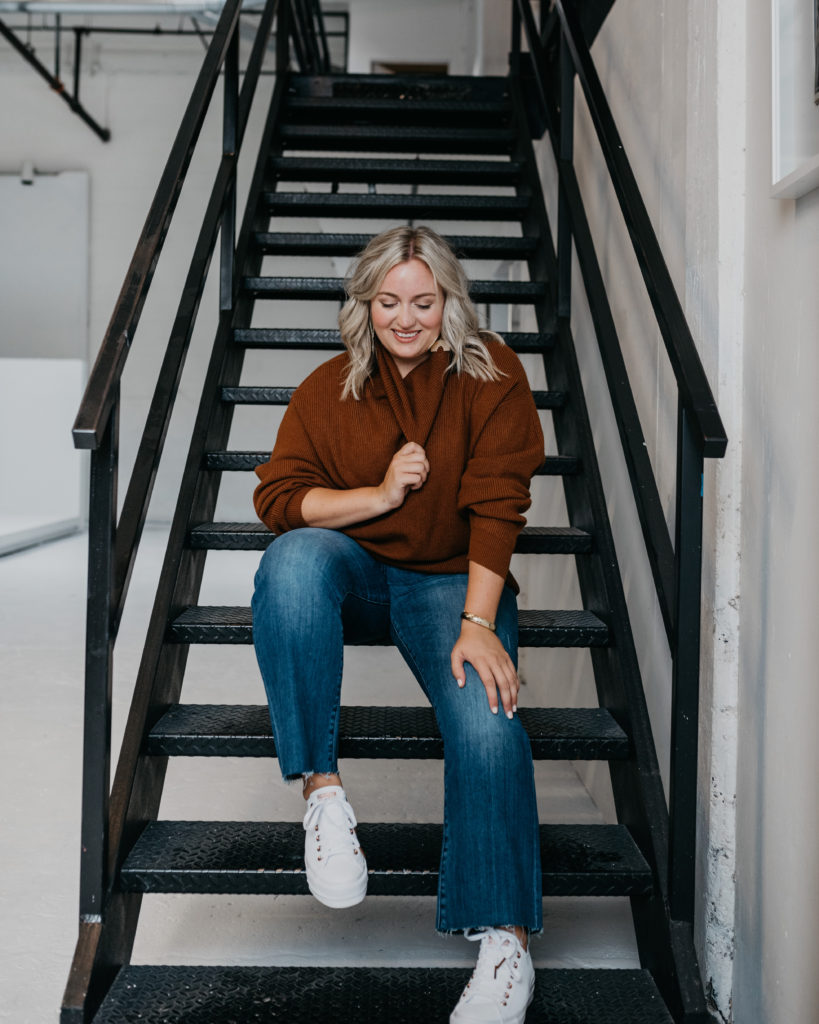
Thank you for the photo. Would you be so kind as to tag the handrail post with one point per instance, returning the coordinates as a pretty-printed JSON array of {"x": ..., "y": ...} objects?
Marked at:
[
  {"x": 686, "y": 671},
  {"x": 515, "y": 34},
  {"x": 564, "y": 231},
  {"x": 230, "y": 112},
  {"x": 283, "y": 17},
  {"x": 99, "y": 656},
  {"x": 321, "y": 39}
]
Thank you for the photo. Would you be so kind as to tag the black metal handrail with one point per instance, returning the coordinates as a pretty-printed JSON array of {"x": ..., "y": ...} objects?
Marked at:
[
  {"x": 676, "y": 567},
  {"x": 103, "y": 381},
  {"x": 113, "y": 543}
]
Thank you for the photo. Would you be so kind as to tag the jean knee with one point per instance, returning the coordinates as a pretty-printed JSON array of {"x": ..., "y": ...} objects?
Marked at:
[
  {"x": 293, "y": 564},
  {"x": 477, "y": 732}
]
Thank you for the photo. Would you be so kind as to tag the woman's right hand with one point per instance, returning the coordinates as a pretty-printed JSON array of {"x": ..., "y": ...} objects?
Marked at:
[{"x": 407, "y": 471}]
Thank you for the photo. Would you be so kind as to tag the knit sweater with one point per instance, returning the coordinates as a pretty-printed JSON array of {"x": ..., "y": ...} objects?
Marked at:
[{"x": 482, "y": 439}]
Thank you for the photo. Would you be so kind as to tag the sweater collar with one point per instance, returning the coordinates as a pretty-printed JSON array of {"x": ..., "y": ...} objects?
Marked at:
[{"x": 416, "y": 398}]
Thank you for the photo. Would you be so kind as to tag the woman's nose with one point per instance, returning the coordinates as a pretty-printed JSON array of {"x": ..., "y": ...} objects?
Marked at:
[{"x": 405, "y": 317}]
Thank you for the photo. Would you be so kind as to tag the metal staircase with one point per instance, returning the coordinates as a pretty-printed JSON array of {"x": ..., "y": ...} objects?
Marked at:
[{"x": 400, "y": 130}]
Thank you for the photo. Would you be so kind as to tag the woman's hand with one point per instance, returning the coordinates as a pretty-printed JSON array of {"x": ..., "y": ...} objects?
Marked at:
[
  {"x": 487, "y": 655},
  {"x": 407, "y": 471}
]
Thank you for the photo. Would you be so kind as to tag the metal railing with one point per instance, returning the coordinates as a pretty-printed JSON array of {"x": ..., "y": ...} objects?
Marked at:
[
  {"x": 114, "y": 541},
  {"x": 676, "y": 567}
]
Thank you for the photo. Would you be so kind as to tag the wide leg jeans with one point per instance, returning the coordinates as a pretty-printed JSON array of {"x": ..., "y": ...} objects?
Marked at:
[{"x": 317, "y": 589}]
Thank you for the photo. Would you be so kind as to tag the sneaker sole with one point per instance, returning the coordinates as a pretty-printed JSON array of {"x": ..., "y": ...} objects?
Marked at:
[
  {"x": 459, "y": 1018},
  {"x": 340, "y": 900}
]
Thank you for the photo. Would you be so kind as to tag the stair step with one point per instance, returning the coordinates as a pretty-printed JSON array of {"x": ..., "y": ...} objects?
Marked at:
[
  {"x": 236, "y": 461},
  {"x": 398, "y": 109},
  {"x": 393, "y": 172},
  {"x": 243, "y": 730},
  {"x": 265, "y": 857},
  {"x": 282, "y": 396},
  {"x": 406, "y": 86},
  {"x": 284, "y": 243},
  {"x": 398, "y": 139},
  {"x": 532, "y": 540},
  {"x": 372, "y": 995},
  {"x": 332, "y": 288},
  {"x": 328, "y": 340},
  {"x": 390, "y": 205},
  {"x": 233, "y": 624}
]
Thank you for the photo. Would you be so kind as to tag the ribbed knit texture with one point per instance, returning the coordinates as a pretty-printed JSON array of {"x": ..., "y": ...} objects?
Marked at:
[{"x": 483, "y": 441}]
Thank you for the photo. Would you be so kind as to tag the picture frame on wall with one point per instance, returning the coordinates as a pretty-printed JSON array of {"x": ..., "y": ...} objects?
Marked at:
[{"x": 794, "y": 92}]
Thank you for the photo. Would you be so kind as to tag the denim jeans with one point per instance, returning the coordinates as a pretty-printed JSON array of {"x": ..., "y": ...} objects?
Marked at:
[{"x": 317, "y": 589}]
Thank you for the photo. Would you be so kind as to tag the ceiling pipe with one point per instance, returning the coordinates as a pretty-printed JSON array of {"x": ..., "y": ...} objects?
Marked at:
[{"x": 185, "y": 7}]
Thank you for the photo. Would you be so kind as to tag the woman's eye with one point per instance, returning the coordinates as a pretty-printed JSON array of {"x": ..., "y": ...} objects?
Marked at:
[
  {"x": 425, "y": 307},
  {"x": 388, "y": 305}
]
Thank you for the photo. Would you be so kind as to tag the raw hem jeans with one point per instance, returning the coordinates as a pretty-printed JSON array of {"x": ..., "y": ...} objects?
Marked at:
[{"x": 317, "y": 589}]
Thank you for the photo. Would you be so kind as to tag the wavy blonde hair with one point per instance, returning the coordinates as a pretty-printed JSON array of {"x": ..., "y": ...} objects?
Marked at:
[{"x": 460, "y": 332}]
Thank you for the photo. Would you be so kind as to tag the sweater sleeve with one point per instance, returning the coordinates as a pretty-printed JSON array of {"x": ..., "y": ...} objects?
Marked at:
[
  {"x": 506, "y": 450},
  {"x": 294, "y": 469}
]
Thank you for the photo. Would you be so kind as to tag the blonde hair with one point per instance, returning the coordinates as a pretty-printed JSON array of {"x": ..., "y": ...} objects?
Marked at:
[{"x": 460, "y": 332}]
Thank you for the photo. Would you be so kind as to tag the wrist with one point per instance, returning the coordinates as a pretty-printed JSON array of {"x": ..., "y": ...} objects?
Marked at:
[
  {"x": 478, "y": 620},
  {"x": 387, "y": 500}
]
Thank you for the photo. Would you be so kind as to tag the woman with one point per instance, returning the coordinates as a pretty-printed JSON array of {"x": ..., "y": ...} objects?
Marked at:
[{"x": 397, "y": 485}]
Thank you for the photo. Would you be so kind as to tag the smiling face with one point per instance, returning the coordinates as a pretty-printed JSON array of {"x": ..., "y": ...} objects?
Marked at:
[{"x": 406, "y": 313}]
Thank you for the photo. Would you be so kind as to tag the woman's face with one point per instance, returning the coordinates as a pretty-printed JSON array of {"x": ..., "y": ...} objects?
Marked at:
[{"x": 407, "y": 312}]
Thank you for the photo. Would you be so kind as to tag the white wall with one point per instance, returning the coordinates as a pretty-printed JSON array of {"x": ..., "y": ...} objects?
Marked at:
[
  {"x": 777, "y": 811},
  {"x": 425, "y": 31},
  {"x": 138, "y": 87},
  {"x": 690, "y": 86}
]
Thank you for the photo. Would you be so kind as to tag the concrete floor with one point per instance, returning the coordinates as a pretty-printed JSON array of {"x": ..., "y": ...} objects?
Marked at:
[{"x": 42, "y": 608}]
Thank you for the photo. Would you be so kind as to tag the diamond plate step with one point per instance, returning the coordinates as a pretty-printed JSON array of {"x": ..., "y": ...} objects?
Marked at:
[
  {"x": 148, "y": 994},
  {"x": 396, "y": 172},
  {"x": 407, "y": 87},
  {"x": 332, "y": 288},
  {"x": 532, "y": 540},
  {"x": 284, "y": 243},
  {"x": 236, "y": 461},
  {"x": 405, "y": 206},
  {"x": 328, "y": 340},
  {"x": 243, "y": 730},
  {"x": 392, "y": 139},
  {"x": 282, "y": 396},
  {"x": 398, "y": 109},
  {"x": 232, "y": 624},
  {"x": 264, "y": 857}
]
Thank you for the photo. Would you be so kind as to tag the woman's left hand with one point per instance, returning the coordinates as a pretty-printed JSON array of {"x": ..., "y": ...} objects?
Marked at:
[{"x": 487, "y": 655}]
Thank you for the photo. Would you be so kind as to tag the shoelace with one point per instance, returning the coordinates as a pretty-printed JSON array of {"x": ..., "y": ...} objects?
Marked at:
[
  {"x": 498, "y": 955},
  {"x": 337, "y": 827}
]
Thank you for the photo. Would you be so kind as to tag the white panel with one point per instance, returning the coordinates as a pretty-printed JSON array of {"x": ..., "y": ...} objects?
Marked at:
[
  {"x": 44, "y": 265},
  {"x": 43, "y": 345},
  {"x": 41, "y": 496},
  {"x": 795, "y": 115}
]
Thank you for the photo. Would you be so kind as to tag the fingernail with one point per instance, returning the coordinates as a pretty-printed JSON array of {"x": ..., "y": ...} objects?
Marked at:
[
  {"x": 510, "y": 714},
  {"x": 462, "y": 683},
  {"x": 494, "y": 711},
  {"x": 514, "y": 707}
]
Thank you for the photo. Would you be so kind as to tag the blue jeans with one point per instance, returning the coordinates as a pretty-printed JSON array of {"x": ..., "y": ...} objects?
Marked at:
[{"x": 317, "y": 589}]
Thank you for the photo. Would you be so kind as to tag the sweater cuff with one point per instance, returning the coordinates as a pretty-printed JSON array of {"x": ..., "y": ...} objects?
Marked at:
[
  {"x": 491, "y": 543},
  {"x": 292, "y": 509}
]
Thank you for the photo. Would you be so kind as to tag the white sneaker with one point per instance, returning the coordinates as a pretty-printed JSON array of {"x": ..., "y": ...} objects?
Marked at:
[
  {"x": 502, "y": 984},
  {"x": 335, "y": 866}
]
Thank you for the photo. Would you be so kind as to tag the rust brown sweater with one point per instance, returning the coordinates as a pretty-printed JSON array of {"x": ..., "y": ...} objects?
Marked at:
[{"x": 483, "y": 441}]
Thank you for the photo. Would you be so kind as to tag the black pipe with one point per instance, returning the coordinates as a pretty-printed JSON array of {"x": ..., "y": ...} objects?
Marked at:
[
  {"x": 54, "y": 82},
  {"x": 78, "y": 33}
]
